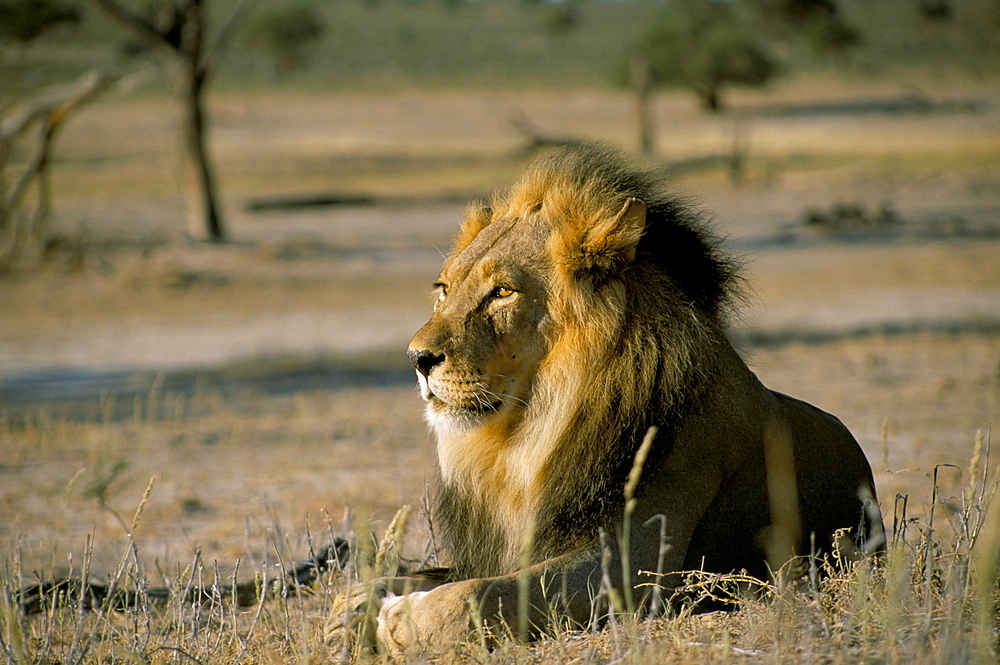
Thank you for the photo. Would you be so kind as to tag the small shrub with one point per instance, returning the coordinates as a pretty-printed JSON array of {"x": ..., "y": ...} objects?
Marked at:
[
  {"x": 559, "y": 19},
  {"x": 286, "y": 34},
  {"x": 24, "y": 20},
  {"x": 705, "y": 46}
]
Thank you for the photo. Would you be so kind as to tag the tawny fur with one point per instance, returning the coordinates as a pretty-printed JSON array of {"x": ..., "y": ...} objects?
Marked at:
[
  {"x": 644, "y": 340},
  {"x": 578, "y": 309}
]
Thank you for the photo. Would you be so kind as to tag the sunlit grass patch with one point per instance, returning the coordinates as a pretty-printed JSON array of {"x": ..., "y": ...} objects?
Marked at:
[{"x": 932, "y": 597}]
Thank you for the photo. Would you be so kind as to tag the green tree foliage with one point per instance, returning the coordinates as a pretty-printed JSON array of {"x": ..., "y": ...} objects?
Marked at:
[
  {"x": 704, "y": 45},
  {"x": 830, "y": 34},
  {"x": 23, "y": 20},
  {"x": 286, "y": 33},
  {"x": 819, "y": 24},
  {"x": 796, "y": 11},
  {"x": 559, "y": 19}
]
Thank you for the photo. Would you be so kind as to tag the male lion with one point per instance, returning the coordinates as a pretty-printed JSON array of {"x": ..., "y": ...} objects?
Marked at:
[{"x": 582, "y": 308}]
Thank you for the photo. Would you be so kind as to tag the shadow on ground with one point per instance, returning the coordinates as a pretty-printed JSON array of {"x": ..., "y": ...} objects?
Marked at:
[
  {"x": 114, "y": 396},
  {"x": 120, "y": 395}
]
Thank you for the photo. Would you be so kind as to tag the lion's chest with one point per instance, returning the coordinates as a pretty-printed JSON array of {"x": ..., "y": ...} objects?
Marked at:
[{"x": 494, "y": 491}]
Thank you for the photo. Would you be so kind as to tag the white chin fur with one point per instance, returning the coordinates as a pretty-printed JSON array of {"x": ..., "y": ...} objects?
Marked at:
[{"x": 447, "y": 421}]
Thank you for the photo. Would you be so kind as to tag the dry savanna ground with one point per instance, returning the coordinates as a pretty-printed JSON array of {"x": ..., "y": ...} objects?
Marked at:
[{"x": 253, "y": 398}]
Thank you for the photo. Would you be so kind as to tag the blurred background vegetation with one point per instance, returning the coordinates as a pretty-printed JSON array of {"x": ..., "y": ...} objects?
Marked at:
[
  {"x": 704, "y": 47},
  {"x": 484, "y": 43}
]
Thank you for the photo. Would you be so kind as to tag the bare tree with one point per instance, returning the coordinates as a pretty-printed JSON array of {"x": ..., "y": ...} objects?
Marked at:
[
  {"x": 178, "y": 30},
  {"x": 23, "y": 226}
]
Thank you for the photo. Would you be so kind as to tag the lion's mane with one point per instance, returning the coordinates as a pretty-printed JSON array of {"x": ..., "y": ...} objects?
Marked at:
[{"x": 625, "y": 353}]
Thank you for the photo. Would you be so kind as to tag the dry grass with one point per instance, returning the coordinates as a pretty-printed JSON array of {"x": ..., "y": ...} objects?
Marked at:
[
  {"x": 933, "y": 600},
  {"x": 84, "y": 503}
]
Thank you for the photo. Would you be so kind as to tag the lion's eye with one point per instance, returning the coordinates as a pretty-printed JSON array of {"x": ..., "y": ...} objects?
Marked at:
[
  {"x": 442, "y": 290},
  {"x": 502, "y": 292}
]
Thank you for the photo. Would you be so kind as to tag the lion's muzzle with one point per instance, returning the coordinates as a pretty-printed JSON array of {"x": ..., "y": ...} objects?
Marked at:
[{"x": 424, "y": 361}]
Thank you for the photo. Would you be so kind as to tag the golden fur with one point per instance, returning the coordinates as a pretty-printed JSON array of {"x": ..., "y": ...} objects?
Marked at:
[{"x": 580, "y": 308}]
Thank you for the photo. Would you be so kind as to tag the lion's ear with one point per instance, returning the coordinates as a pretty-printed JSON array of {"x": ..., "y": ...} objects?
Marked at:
[
  {"x": 477, "y": 217},
  {"x": 610, "y": 245}
]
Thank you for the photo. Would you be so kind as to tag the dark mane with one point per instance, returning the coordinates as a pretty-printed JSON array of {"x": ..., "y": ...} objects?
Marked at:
[{"x": 678, "y": 239}]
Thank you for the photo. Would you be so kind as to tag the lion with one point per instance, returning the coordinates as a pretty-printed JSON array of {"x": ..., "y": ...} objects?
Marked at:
[{"x": 580, "y": 313}]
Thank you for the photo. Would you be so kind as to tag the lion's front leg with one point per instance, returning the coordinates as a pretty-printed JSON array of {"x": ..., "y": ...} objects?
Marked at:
[{"x": 437, "y": 623}]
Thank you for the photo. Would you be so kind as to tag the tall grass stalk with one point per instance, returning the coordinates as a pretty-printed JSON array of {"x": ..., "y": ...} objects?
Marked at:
[
  {"x": 987, "y": 559},
  {"x": 524, "y": 584},
  {"x": 631, "y": 484}
]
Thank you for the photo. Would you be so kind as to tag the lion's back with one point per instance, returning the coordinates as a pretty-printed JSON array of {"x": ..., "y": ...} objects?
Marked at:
[
  {"x": 833, "y": 479},
  {"x": 834, "y": 476}
]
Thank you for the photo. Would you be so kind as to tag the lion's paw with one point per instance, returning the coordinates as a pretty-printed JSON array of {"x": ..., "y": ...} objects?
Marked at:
[
  {"x": 353, "y": 615},
  {"x": 432, "y": 624},
  {"x": 400, "y": 625}
]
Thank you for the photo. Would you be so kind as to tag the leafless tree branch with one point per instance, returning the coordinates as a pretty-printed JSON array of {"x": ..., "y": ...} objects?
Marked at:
[
  {"x": 51, "y": 110},
  {"x": 154, "y": 36}
]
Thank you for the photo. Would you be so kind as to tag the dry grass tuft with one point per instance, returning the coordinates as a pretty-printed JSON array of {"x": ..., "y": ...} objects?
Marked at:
[
  {"x": 933, "y": 598},
  {"x": 76, "y": 499}
]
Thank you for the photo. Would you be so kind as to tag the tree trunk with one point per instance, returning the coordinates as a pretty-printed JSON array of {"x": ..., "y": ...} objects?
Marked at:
[
  {"x": 642, "y": 83},
  {"x": 711, "y": 100},
  {"x": 203, "y": 216}
]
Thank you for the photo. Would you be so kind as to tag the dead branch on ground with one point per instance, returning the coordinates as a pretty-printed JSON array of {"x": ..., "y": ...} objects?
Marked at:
[{"x": 78, "y": 592}]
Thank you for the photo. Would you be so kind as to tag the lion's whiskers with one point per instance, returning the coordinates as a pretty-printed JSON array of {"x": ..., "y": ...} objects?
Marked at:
[{"x": 505, "y": 397}]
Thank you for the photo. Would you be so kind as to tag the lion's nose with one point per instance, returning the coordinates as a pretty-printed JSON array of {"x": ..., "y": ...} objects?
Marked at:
[{"x": 424, "y": 360}]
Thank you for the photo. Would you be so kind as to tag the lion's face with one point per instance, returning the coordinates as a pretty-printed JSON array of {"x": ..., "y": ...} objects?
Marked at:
[{"x": 478, "y": 355}]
